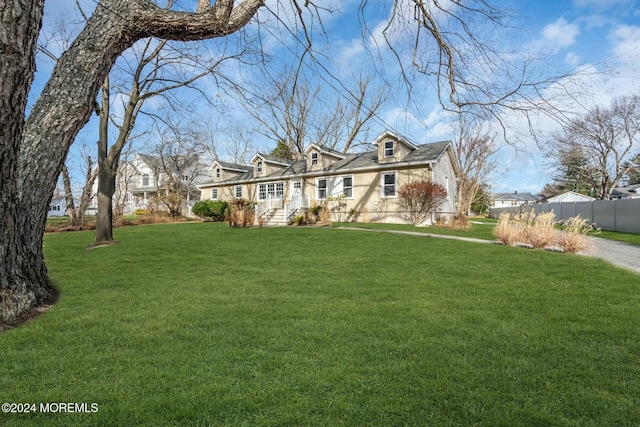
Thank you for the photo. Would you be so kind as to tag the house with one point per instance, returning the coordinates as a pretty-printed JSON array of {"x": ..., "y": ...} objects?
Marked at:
[
  {"x": 364, "y": 184},
  {"x": 570, "y": 196},
  {"x": 141, "y": 181},
  {"x": 57, "y": 207},
  {"x": 502, "y": 200},
  {"x": 628, "y": 192}
]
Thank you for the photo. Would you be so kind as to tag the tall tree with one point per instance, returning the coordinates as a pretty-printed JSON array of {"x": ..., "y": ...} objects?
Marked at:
[
  {"x": 150, "y": 72},
  {"x": 475, "y": 147},
  {"x": 595, "y": 146},
  {"x": 292, "y": 110}
]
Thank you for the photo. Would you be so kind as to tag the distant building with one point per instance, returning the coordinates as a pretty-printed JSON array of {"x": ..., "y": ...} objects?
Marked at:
[
  {"x": 570, "y": 196},
  {"x": 503, "y": 200},
  {"x": 628, "y": 192}
]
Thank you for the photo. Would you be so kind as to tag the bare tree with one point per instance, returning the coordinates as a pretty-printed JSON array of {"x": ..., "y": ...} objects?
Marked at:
[
  {"x": 603, "y": 139},
  {"x": 150, "y": 73},
  {"x": 76, "y": 213},
  {"x": 475, "y": 147},
  {"x": 292, "y": 110},
  {"x": 175, "y": 158},
  {"x": 231, "y": 143}
]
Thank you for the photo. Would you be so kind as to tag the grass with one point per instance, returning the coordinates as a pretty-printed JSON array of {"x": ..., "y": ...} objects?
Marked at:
[
  {"x": 480, "y": 228},
  {"x": 200, "y": 324},
  {"x": 634, "y": 239}
]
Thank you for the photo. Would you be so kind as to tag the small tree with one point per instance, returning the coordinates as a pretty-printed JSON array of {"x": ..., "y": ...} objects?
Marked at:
[{"x": 418, "y": 200}]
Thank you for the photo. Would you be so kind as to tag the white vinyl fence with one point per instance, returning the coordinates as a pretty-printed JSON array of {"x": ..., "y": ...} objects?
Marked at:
[{"x": 614, "y": 215}]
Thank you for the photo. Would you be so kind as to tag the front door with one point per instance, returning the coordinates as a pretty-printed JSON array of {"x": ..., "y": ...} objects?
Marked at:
[{"x": 296, "y": 188}]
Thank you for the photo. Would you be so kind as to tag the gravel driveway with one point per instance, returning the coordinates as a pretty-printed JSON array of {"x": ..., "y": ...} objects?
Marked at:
[{"x": 620, "y": 254}]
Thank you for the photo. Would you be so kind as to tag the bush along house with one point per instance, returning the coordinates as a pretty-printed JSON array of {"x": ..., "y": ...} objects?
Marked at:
[{"x": 359, "y": 186}]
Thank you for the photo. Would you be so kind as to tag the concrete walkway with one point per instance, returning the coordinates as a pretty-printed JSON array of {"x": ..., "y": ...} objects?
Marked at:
[{"x": 620, "y": 254}]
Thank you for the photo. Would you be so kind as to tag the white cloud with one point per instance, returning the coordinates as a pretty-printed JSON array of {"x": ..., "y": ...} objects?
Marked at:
[{"x": 560, "y": 33}]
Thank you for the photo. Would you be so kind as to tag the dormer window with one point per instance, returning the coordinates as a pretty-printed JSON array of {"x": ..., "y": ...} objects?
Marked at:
[
  {"x": 388, "y": 149},
  {"x": 314, "y": 159},
  {"x": 259, "y": 166},
  {"x": 217, "y": 172}
]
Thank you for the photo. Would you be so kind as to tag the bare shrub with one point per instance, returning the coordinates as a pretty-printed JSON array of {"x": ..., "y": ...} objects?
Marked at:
[
  {"x": 573, "y": 237},
  {"x": 417, "y": 200},
  {"x": 507, "y": 231},
  {"x": 539, "y": 231}
]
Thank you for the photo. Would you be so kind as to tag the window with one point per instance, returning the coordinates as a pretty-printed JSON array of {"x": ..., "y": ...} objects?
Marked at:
[
  {"x": 314, "y": 159},
  {"x": 217, "y": 172},
  {"x": 238, "y": 191},
  {"x": 214, "y": 193},
  {"x": 297, "y": 185},
  {"x": 389, "y": 184},
  {"x": 347, "y": 186},
  {"x": 259, "y": 166},
  {"x": 322, "y": 188},
  {"x": 388, "y": 149},
  {"x": 273, "y": 189},
  {"x": 145, "y": 180}
]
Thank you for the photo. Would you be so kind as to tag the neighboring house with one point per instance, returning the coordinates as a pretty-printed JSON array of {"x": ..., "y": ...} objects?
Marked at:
[
  {"x": 570, "y": 196},
  {"x": 366, "y": 182},
  {"x": 628, "y": 192},
  {"x": 502, "y": 200},
  {"x": 146, "y": 177},
  {"x": 57, "y": 207}
]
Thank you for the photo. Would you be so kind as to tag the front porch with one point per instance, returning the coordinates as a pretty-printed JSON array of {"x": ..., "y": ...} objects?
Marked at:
[{"x": 274, "y": 212}]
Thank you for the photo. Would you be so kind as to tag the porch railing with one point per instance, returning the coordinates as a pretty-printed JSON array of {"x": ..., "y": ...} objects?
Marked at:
[
  {"x": 268, "y": 204},
  {"x": 300, "y": 201}
]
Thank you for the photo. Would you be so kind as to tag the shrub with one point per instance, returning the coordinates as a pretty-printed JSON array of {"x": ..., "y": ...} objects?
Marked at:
[
  {"x": 240, "y": 212},
  {"x": 419, "y": 199},
  {"x": 353, "y": 215},
  {"x": 298, "y": 220},
  {"x": 572, "y": 238},
  {"x": 141, "y": 212},
  {"x": 213, "y": 210},
  {"x": 539, "y": 231},
  {"x": 507, "y": 231},
  {"x": 315, "y": 210}
]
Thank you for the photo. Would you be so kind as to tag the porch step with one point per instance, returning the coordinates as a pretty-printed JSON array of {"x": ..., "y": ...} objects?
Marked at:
[{"x": 274, "y": 217}]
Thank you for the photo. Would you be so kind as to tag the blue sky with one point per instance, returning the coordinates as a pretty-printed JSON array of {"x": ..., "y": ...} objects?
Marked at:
[{"x": 599, "y": 38}]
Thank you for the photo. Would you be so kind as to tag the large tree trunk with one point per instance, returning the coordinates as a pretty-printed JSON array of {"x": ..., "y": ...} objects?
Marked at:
[
  {"x": 38, "y": 147},
  {"x": 23, "y": 284}
]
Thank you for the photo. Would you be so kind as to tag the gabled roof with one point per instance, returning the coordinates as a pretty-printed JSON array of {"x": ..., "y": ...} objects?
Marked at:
[
  {"x": 325, "y": 150},
  {"x": 388, "y": 134},
  {"x": 271, "y": 159},
  {"x": 426, "y": 154},
  {"x": 236, "y": 167},
  {"x": 570, "y": 196}
]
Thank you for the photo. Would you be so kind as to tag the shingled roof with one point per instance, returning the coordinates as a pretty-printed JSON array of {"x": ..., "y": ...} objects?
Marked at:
[{"x": 423, "y": 155}]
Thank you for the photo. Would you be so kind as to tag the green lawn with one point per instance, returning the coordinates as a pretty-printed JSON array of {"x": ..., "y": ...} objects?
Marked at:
[
  {"x": 479, "y": 229},
  {"x": 200, "y": 324}
]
